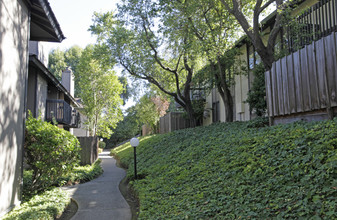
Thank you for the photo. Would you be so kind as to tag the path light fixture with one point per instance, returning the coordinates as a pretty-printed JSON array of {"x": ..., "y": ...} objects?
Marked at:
[{"x": 134, "y": 143}]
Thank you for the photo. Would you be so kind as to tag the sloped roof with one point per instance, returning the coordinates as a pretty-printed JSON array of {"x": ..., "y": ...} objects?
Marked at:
[{"x": 44, "y": 25}]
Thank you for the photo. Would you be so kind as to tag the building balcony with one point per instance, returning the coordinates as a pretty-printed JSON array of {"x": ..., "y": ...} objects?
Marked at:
[{"x": 61, "y": 112}]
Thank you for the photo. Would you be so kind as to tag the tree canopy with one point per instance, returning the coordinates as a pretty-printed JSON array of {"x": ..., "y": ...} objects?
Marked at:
[
  {"x": 241, "y": 9},
  {"x": 164, "y": 59},
  {"x": 100, "y": 91},
  {"x": 59, "y": 60}
]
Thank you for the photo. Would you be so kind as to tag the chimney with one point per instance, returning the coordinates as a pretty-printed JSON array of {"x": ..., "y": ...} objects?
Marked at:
[
  {"x": 68, "y": 80},
  {"x": 37, "y": 48}
]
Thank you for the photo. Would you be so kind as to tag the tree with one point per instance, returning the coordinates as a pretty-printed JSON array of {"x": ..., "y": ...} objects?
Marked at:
[
  {"x": 239, "y": 9},
  {"x": 100, "y": 91},
  {"x": 57, "y": 63},
  {"x": 149, "y": 110},
  {"x": 257, "y": 93},
  {"x": 214, "y": 30},
  {"x": 125, "y": 129},
  {"x": 164, "y": 59},
  {"x": 59, "y": 60},
  {"x": 128, "y": 92},
  {"x": 72, "y": 57}
]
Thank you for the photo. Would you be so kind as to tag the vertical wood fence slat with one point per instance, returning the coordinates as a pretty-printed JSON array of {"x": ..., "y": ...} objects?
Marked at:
[
  {"x": 298, "y": 82},
  {"x": 285, "y": 85},
  {"x": 172, "y": 121},
  {"x": 313, "y": 85},
  {"x": 268, "y": 93},
  {"x": 335, "y": 72},
  {"x": 291, "y": 85},
  {"x": 279, "y": 87},
  {"x": 331, "y": 68},
  {"x": 320, "y": 60},
  {"x": 274, "y": 90},
  {"x": 305, "y": 80}
]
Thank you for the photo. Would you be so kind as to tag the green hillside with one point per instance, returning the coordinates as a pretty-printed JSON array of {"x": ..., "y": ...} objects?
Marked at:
[{"x": 236, "y": 171}]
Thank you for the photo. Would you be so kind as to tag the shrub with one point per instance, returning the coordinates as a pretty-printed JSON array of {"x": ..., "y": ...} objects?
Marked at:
[
  {"x": 102, "y": 144},
  {"x": 82, "y": 174},
  {"x": 258, "y": 122},
  {"x": 47, "y": 205},
  {"x": 256, "y": 96},
  {"x": 50, "y": 152}
]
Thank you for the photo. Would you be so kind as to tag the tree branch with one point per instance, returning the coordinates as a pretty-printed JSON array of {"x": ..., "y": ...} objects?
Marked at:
[
  {"x": 199, "y": 36},
  {"x": 265, "y": 5},
  {"x": 227, "y": 6},
  {"x": 256, "y": 16},
  {"x": 155, "y": 51},
  {"x": 174, "y": 71},
  {"x": 150, "y": 79}
]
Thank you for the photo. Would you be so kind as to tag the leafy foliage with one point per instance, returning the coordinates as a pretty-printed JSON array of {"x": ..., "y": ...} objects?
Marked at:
[
  {"x": 46, "y": 206},
  {"x": 256, "y": 96},
  {"x": 82, "y": 174},
  {"x": 232, "y": 171},
  {"x": 149, "y": 109},
  {"x": 100, "y": 91},
  {"x": 148, "y": 52},
  {"x": 50, "y": 152},
  {"x": 51, "y": 203},
  {"x": 102, "y": 144},
  {"x": 126, "y": 129},
  {"x": 59, "y": 60},
  {"x": 57, "y": 63}
]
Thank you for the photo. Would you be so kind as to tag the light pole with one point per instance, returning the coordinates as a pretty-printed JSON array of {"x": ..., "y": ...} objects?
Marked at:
[{"x": 134, "y": 143}]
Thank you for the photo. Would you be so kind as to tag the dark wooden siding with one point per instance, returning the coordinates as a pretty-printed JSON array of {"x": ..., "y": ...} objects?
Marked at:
[{"x": 304, "y": 81}]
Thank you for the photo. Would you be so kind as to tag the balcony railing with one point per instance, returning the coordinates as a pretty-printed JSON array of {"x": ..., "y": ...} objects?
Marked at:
[
  {"x": 316, "y": 22},
  {"x": 62, "y": 113}
]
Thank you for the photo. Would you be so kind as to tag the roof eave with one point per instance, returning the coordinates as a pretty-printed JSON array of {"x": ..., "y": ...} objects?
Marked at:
[
  {"x": 52, "y": 78},
  {"x": 48, "y": 28}
]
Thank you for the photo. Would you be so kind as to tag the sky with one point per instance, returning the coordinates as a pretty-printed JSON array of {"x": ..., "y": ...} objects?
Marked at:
[{"x": 75, "y": 18}]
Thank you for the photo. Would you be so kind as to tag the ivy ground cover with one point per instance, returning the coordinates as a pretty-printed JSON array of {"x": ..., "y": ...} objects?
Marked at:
[{"x": 233, "y": 171}]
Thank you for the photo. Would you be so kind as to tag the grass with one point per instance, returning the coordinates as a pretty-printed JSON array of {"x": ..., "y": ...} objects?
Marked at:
[
  {"x": 51, "y": 203},
  {"x": 237, "y": 171}
]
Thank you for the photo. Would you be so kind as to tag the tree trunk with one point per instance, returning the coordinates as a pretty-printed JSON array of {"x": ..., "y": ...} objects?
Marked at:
[
  {"x": 192, "y": 119},
  {"x": 190, "y": 112},
  {"x": 228, "y": 102},
  {"x": 267, "y": 56},
  {"x": 224, "y": 91}
]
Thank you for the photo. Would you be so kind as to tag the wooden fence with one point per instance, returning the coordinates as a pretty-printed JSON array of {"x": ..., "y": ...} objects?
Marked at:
[
  {"x": 172, "y": 121},
  {"x": 89, "y": 150},
  {"x": 303, "y": 85}
]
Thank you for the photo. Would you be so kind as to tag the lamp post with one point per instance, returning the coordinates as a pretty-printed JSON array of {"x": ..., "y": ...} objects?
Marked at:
[{"x": 134, "y": 143}]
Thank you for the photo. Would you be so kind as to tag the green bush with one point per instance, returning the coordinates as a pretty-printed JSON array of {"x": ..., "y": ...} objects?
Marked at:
[
  {"x": 256, "y": 96},
  {"x": 231, "y": 171},
  {"x": 82, "y": 174},
  {"x": 47, "y": 205},
  {"x": 102, "y": 144},
  {"x": 52, "y": 202},
  {"x": 258, "y": 122},
  {"x": 50, "y": 152}
]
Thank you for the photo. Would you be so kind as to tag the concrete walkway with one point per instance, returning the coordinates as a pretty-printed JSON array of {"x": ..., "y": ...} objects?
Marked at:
[{"x": 100, "y": 199}]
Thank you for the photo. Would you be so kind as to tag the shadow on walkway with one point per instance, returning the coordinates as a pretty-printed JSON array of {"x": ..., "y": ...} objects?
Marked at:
[{"x": 100, "y": 199}]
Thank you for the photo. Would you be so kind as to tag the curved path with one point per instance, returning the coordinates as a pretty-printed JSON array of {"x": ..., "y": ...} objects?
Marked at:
[{"x": 100, "y": 199}]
